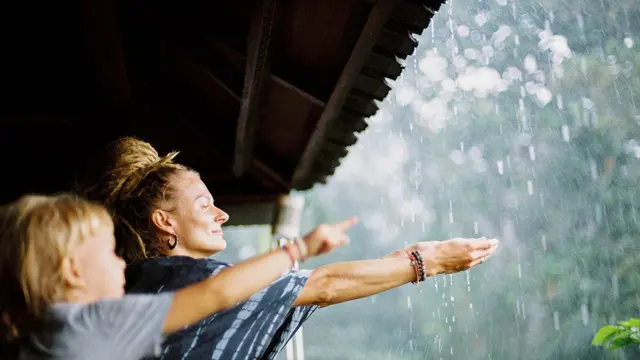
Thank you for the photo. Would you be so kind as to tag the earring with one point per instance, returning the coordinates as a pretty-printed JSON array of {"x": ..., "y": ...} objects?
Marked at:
[{"x": 172, "y": 245}]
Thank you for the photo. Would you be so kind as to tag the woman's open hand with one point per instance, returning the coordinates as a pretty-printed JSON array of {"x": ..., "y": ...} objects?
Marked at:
[
  {"x": 327, "y": 237},
  {"x": 450, "y": 256}
]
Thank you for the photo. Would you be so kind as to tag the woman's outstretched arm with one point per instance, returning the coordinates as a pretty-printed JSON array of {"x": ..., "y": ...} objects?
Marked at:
[
  {"x": 340, "y": 282},
  {"x": 239, "y": 282}
]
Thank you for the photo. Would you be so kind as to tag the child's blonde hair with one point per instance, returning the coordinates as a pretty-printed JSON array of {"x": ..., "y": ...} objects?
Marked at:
[{"x": 36, "y": 234}]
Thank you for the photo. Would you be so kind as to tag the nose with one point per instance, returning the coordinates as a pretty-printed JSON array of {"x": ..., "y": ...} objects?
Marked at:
[{"x": 221, "y": 216}]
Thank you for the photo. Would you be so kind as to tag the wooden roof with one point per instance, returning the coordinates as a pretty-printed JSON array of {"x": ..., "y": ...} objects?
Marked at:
[{"x": 261, "y": 97}]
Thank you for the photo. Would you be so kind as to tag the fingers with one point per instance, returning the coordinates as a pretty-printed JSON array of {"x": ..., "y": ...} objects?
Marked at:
[
  {"x": 346, "y": 224},
  {"x": 479, "y": 261},
  {"x": 480, "y": 256},
  {"x": 345, "y": 240},
  {"x": 332, "y": 244},
  {"x": 483, "y": 243}
]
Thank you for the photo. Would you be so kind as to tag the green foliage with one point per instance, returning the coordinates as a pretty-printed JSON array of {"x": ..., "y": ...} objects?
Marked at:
[{"x": 616, "y": 336}]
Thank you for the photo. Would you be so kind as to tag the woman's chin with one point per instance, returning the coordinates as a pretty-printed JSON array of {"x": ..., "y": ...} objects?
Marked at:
[{"x": 218, "y": 244}]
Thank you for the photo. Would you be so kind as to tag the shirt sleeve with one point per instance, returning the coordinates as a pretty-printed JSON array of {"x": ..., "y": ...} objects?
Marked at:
[{"x": 132, "y": 324}]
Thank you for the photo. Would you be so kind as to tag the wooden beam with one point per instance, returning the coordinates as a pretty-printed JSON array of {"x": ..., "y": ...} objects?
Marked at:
[
  {"x": 257, "y": 69},
  {"x": 239, "y": 62},
  {"x": 189, "y": 70},
  {"x": 378, "y": 17},
  {"x": 263, "y": 170}
]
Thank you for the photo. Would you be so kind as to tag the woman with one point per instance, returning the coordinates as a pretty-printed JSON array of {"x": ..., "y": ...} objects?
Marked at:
[{"x": 169, "y": 228}]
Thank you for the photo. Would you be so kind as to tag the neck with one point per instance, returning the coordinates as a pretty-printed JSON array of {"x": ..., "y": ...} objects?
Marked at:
[
  {"x": 78, "y": 296},
  {"x": 180, "y": 251}
]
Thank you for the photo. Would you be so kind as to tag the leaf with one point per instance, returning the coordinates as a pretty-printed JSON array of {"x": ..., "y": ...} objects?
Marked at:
[
  {"x": 605, "y": 334},
  {"x": 633, "y": 322},
  {"x": 621, "y": 340}
]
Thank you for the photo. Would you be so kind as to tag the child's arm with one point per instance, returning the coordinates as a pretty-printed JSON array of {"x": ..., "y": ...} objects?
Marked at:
[{"x": 135, "y": 324}]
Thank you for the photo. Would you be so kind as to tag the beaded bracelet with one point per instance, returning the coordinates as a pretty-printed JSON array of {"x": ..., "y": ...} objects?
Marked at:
[
  {"x": 302, "y": 247},
  {"x": 418, "y": 266},
  {"x": 418, "y": 258},
  {"x": 287, "y": 246}
]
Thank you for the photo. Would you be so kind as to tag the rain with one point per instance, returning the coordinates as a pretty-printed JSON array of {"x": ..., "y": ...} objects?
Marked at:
[{"x": 513, "y": 120}]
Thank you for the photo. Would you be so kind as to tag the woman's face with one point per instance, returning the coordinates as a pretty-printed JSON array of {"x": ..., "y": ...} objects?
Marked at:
[{"x": 194, "y": 218}]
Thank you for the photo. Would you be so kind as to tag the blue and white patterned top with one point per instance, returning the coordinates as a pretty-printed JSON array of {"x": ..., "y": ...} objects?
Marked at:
[{"x": 255, "y": 329}]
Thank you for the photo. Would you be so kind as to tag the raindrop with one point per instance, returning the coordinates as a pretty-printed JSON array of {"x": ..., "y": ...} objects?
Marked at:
[
  {"x": 565, "y": 133},
  {"x": 628, "y": 42},
  {"x": 530, "y": 64},
  {"x": 463, "y": 31},
  {"x": 559, "y": 102},
  {"x": 593, "y": 167},
  {"x": 532, "y": 153},
  {"x": 519, "y": 271},
  {"x": 585, "y": 314},
  {"x": 450, "y": 214}
]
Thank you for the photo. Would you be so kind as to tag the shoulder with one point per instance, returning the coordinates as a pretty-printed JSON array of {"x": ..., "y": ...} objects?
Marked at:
[
  {"x": 128, "y": 325},
  {"x": 173, "y": 263},
  {"x": 101, "y": 314},
  {"x": 169, "y": 273}
]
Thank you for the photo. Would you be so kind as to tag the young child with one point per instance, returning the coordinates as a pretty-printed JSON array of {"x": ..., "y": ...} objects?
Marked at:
[{"x": 62, "y": 284}]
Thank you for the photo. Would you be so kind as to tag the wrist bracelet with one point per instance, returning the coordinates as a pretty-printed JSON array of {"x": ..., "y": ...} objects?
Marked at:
[
  {"x": 418, "y": 266},
  {"x": 302, "y": 247},
  {"x": 418, "y": 258}
]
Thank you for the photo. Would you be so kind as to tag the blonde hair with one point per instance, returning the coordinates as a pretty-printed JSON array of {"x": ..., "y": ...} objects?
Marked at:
[
  {"x": 36, "y": 234},
  {"x": 133, "y": 183}
]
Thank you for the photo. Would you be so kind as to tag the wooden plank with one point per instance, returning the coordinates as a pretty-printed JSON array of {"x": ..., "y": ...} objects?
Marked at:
[
  {"x": 209, "y": 85},
  {"x": 379, "y": 15},
  {"x": 257, "y": 70},
  {"x": 239, "y": 61}
]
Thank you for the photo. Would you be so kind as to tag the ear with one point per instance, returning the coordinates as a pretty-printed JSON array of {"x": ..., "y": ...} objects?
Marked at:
[
  {"x": 163, "y": 221},
  {"x": 71, "y": 273}
]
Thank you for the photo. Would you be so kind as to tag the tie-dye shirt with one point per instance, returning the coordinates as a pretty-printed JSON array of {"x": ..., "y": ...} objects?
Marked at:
[{"x": 255, "y": 329}]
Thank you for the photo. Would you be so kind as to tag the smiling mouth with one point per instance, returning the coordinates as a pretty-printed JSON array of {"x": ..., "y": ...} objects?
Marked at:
[{"x": 218, "y": 232}]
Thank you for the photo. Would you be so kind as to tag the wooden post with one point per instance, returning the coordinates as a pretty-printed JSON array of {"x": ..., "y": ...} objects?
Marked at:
[{"x": 286, "y": 224}]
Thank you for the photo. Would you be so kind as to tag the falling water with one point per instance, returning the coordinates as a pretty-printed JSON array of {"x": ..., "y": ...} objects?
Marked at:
[{"x": 505, "y": 98}]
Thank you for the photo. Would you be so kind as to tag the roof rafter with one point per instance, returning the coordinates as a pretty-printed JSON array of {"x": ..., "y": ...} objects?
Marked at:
[{"x": 257, "y": 70}]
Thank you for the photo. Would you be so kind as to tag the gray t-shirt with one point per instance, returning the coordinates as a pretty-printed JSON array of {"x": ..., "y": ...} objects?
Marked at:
[{"x": 129, "y": 328}]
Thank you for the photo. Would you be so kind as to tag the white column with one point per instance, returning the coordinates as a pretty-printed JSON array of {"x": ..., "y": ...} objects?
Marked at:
[{"x": 287, "y": 220}]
